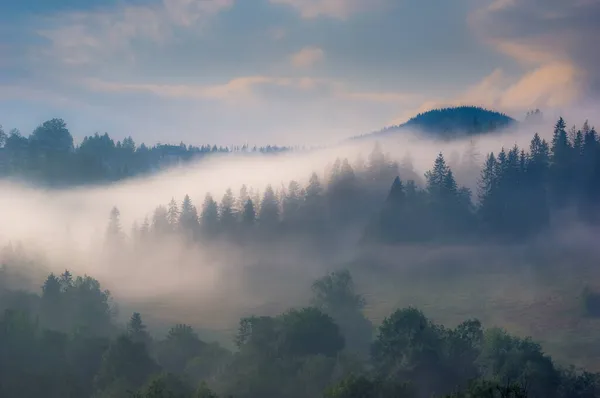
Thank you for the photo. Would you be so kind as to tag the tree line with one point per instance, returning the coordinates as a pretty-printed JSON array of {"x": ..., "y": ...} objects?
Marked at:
[
  {"x": 49, "y": 156},
  {"x": 66, "y": 342},
  {"x": 520, "y": 194}
]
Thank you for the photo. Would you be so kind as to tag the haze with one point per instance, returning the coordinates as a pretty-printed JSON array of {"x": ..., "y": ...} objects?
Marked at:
[{"x": 220, "y": 198}]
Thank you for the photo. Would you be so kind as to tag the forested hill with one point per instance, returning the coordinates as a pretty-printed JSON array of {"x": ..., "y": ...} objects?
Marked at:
[{"x": 452, "y": 122}]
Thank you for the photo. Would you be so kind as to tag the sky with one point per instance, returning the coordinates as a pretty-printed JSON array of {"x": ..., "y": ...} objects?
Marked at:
[{"x": 286, "y": 72}]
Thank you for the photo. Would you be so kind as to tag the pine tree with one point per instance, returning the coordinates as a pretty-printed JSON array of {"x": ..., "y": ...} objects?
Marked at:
[
  {"x": 242, "y": 199},
  {"x": 188, "y": 218},
  {"x": 314, "y": 190},
  {"x": 376, "y": 162},
  {"x": 114, "y": 232},
  {"x": 488, "y": 184},
  {"x": 292, "y": 202},
  {"x": 160, "y": 221},
  {"x": 209, "y": 218},
  {"x": 590, "y": 171},
  {"x": 334, "y": 172},
  {"x": 173, "y": 214},
  {"x": 249, "y": 215},
  {"x": 561, "y": 172},
  {"x": 145, "y": 227},
  {"x": 136, "y": 330},
  {"x": 269, "y": 209},
  {"x": 436, "y": 178},
  {"x": 227, "y": 214},
  {"x": 397, "y": 196}
]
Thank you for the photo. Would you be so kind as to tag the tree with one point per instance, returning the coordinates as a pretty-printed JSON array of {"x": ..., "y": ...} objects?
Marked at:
[
  {"x": 125, "y": 364},
  {"x": 437, "y": 178},
  {"x": 243, "y": 198},
  {"x": 114, "y": 234},
  {"x": 3, "y": 137},
  {"x": 489, "y": 201},
  {"x": 292, "y": 203},
  {"x": 209, "y": 218},
  {"x": 313, "y": 211},
  {"x": 335, "y": 295},
  {"x": 51, "y": 304},
  {"x": 561, "y": 166},
  {"x": 188, "y": 218},
  {"x": 227, "y": 211},
  {"x": 450, "y": 206},
  {"x": 408, "y": 347},
  {"x": 160, "y": 221},
  {"x": 173, "y": 214},
  {"x": 268, "y": 216},
  {"x": 181, "y": 345},
  {"x": 249, "y": 215},
  {"x": 136, "y": 330},
  {"x": 336, "y": 292},
  {"x": 507, "y": 358},
  {"x": 52, "y": 137},
  {"x": 165, "y": 385},
  {"x": 363, "y": 387},
  {"x": 309, "y": 331}
]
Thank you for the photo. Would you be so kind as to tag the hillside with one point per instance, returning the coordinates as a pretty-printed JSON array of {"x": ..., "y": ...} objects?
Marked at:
[{"x": 452, "y": 122}]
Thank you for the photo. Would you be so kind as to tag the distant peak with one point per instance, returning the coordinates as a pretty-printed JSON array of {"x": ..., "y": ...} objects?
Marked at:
[{"x": 452, "y": 122}]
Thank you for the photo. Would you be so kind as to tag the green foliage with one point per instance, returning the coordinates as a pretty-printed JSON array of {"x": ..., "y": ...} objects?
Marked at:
[
  {"x": 508, "y": 358},
  {"x": 308, "y": 331},
  {"x": 181, "y": 345},
  {"x": 335, "y": 294},
  {"x": 126, "y": 364},
  {"x": 488, "y": 389},
  {"x": 452, "y": 122},
  {"x": 364, "y": 387}
]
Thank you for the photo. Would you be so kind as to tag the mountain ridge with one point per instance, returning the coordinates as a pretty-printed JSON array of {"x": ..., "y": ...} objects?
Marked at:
[{"x": 450, "y": 122}]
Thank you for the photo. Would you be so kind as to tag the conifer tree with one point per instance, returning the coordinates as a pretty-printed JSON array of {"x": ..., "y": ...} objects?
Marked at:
[
  {"x": 227, "y": 214},
  {"x": 188, "y": 218},
  {"x": 242, "y": 199},
  {"x": 145, "y": 228},
  {"x": 173, "y": 214},
  {"x": 160, "y": 221},
  {"x": 268, "y": 216},
  {"x": 114, "y": 232},
  {"x": 136, "y": 330},
  {"x": 292, "y": 202},
  {"x": 209, "y": 218},
  {"x": 249, "y": 215},
  {"x": 560, "y": 169}
]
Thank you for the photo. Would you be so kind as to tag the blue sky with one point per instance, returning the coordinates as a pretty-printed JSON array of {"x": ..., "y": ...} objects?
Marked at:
[{"x": 285, "y": 71}]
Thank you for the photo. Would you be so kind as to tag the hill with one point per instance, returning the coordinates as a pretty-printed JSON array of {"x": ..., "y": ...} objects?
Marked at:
[{"x": 449, "y": 123}]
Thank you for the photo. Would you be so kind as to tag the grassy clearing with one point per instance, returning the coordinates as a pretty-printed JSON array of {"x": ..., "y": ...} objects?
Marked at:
[{"x": 542, "y": 299}]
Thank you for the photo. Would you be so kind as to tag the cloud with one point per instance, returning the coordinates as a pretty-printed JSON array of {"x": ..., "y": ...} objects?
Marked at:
[
  {"x": 550, "y": 36},
  {"x": 553, "y": 85},
  {"x": 250, "y": 89},
  {"x": 83, "y": 38},
  {"x": 238, "y": 89},
  {"x": 307, "y": 57},
  {"x": 277, "y": 33},
  {"x": 339, "y": 9},
  {"x": 13, "y": 92}
]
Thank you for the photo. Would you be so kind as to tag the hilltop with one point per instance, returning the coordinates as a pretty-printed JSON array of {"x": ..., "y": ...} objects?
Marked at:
[{"x": 452, "y": 122}]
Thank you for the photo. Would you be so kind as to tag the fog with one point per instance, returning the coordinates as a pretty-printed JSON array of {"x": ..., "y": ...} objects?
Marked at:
[{"x": 66, "y": 227}]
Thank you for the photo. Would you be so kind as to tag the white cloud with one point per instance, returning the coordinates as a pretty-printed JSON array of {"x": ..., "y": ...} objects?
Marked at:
[
  {"x": 247, "y": 90},
  {"x": 340, "y": 9},
  {"x": 546, "y": 37},
  {"x": 550, "y": 86},
  {"x": 83, "y": 38},
  {"x": 307, "y": 57}
]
